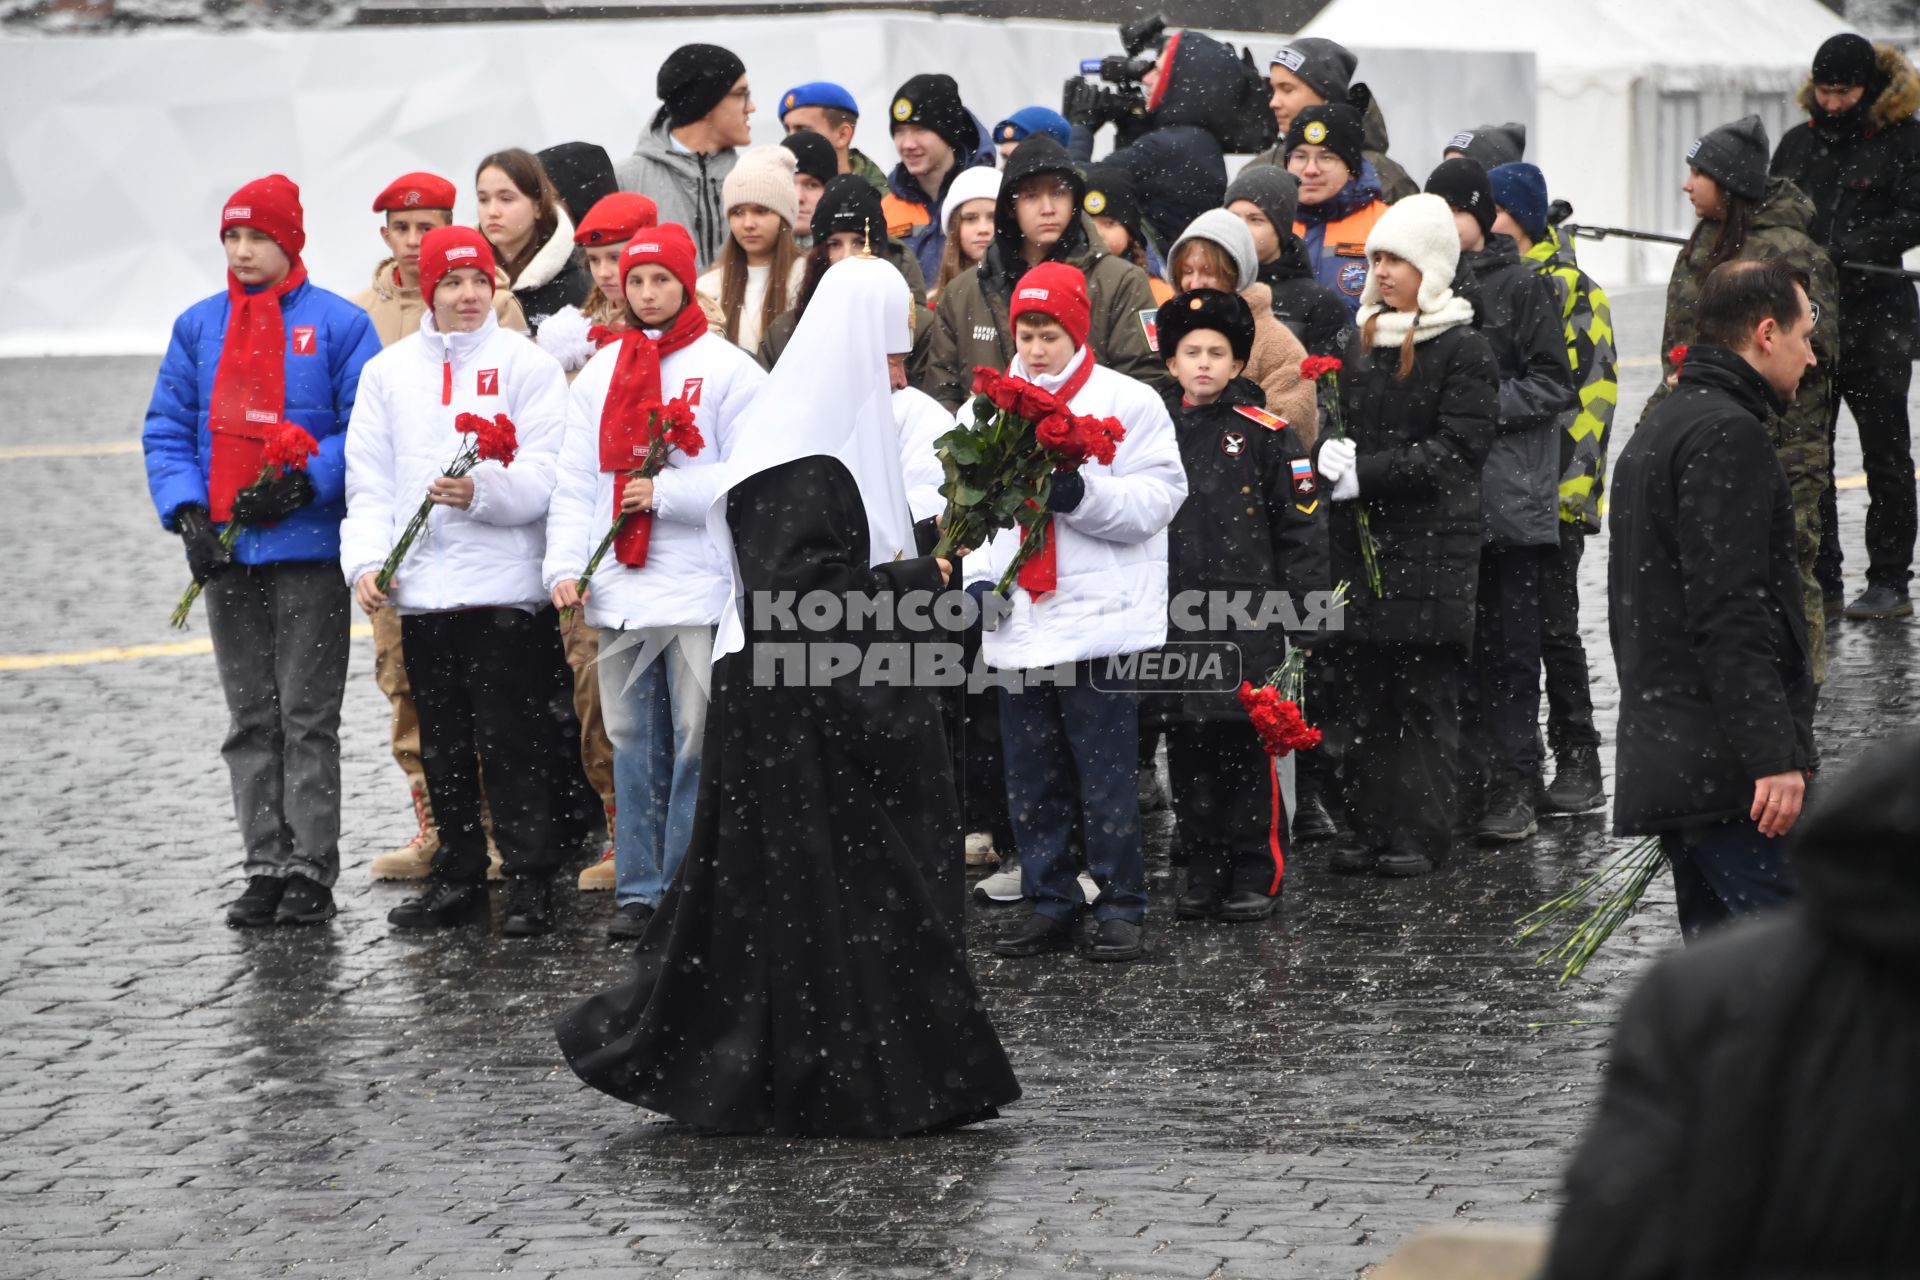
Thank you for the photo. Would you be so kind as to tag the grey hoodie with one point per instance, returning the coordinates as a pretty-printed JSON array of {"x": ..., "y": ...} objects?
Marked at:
[{"x": 685, "y": 187}]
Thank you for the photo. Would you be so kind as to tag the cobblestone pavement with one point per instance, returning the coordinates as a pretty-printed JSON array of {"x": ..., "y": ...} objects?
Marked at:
[{"x": 177, "y": 1098}]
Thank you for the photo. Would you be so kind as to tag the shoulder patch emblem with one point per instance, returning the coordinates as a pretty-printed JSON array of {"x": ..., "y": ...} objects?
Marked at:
[
  {"x": 1254, "y": 413},
  {"x": 1305, "y": 483},
  {"x": 1150, "y": 326},
  {"x": 1352, "y": 278}
]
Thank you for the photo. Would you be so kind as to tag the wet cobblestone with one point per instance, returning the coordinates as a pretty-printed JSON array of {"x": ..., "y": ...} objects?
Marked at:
[{"x": 180, "y": 1099}]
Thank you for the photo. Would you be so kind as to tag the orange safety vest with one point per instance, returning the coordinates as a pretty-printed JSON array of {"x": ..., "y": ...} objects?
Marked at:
[
  {"x": 902, "y": 215},
  {"x": 1347, "y": 238}
]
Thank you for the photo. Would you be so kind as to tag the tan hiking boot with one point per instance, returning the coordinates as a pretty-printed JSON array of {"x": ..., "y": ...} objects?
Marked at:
[
  {"x": 414, "y": 859},
  {"x": 494, "y": 869},
  {"x": 599, "y": 877}
]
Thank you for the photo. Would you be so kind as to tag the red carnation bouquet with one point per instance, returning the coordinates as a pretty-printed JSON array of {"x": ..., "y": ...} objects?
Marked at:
[
  {"x": 1278, "y": 707},
  {"x": 1314, "y": 368},
  {"x": 1000, "y": 468},
  {"x": 493, "y": 440},
  {"x": 1677, "y": 356},
  {"x": 285, "y": 450},
  {"x": 673, "y": 431}
]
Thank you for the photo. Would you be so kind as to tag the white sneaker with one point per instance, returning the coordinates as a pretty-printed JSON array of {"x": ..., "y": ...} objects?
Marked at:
[
  {"x": 1002, "y": 886},
  {"x": 1088, "y": 887}
]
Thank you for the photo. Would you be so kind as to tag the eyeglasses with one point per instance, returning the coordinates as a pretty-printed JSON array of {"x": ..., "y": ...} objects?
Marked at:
[{"x": 743, "y": 93}]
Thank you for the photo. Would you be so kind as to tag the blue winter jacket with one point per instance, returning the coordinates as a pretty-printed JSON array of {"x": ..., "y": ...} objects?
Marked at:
[
  {"x": 323, "y": 371},
  {"x": 1344, "y": 275}
]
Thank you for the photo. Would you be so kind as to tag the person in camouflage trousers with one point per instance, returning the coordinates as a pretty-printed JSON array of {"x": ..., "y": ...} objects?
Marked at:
[
  {"x": 1520, "y": 195},
  {"x": 1746, "y": 214}
]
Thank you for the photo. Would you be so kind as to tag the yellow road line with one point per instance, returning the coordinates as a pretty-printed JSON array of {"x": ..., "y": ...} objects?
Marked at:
[
  {"x": 126, "y": 653},
  {"x": 14, "y": 451}
]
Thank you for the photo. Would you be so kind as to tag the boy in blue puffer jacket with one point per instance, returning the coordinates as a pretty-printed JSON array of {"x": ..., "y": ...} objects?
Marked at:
[{"x": 272, "y": 349}]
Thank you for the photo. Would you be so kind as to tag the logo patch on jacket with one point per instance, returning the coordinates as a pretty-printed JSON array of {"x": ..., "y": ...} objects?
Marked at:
[
  {"x": 1254, "y": 413},
  {"x": 488, "y": 382},
  {"x": 303, "y": 339},
  {"x": 1233, "y": 443},
  {"x": 1150, "y": 326},
  {"x": 1304, "y": 484},
  {"x": 1352, "y": 278},
  {"x": 690, "y": 390}
]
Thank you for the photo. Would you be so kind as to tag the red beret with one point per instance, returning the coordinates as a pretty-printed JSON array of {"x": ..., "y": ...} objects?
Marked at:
[
  {"x": 416, "y": 191},
  {"x": 615, "y": 218}
]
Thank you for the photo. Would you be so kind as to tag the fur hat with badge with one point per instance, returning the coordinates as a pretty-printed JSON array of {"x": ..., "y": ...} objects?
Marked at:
[
  {"x": 763, "y": 176},
  {"x": 1418, "y": 230},
  {"x": 1223, "y": 313}
]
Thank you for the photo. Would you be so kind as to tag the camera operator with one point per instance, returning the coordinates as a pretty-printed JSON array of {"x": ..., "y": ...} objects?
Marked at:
[{"x": 1195, "y": 103}]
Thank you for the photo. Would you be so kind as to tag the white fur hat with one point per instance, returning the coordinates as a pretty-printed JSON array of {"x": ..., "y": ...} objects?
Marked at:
[
  {"x": 763, "y": 176},
  {"x": 1217, "y": 226},
  {"x": 981, "y": 182},
  {"x": 1421, "y": 230}
]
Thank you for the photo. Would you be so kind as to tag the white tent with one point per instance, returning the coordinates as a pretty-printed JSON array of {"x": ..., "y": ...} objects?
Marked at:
[{"x": 1624, "y": 89}]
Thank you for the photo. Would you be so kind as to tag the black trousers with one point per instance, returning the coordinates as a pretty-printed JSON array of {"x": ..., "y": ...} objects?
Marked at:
[
  {"x": 1226, "y": 797},
  {"x": 1874, "y": 386},
  {"x": 483, "y": 686},
  {"x": 1400, "y": 732},
  {"x": 1502, "y": 709},
  {"x": 1562, "y": 655}
]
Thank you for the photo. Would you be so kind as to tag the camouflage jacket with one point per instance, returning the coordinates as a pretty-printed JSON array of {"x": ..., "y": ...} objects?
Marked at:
[{"x": 1588, "y": 320}]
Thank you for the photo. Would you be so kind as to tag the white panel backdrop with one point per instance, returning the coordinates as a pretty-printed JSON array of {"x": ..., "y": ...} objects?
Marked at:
[{"x": 118, "y": 150}]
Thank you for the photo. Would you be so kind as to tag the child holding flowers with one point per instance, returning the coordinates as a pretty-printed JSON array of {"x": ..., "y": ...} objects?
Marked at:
[
  {"x": 649, "y": 419},
  {"x": 1254, "y": 524},
  {"x": 467, "y": 416},
  {"x": 1096, "y": 587},
  {"x": 271, "y": 353}
]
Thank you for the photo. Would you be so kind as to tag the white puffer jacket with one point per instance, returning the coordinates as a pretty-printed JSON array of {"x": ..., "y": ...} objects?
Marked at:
[
  {"x": 921, "y": 421},
  {"x": 686, "y": 579},
  {"x": 402, "y": 437},
  {"x": 1111, "y": 550}
]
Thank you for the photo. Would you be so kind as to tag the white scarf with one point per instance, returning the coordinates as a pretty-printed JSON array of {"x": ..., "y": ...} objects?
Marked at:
[{"x": 1390, "y": 326}]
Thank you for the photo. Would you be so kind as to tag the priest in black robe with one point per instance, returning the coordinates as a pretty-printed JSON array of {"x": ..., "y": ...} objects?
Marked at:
[{"x": 805, "y": 974}]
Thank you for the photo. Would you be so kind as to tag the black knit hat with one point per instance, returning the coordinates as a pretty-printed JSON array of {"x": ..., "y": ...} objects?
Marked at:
[
  {"x": 1735, "y": 156},
  {"x": 1491, "y": 144},
  {"x": 1463, "y": 183},
  {"x": 1215, "y": 309},
  {"x": 1335, "y": 126},
  {"x": 693, "y": 80},
  {"x": 850, "y": 204},
  {"x": 813, "y": 155},
  {"x": 933, "y": 102},
  {"x": 1111, "y": 194},
  {"x": 581, "y": 173},
  {"x": 1322, "y": 65},
  {"x": 1271, "y": 189},
  {"x": 1846, "y": 60}
]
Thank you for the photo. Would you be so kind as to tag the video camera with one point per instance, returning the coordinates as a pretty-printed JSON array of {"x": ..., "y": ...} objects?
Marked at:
[{"x": 1093, "y": 104}]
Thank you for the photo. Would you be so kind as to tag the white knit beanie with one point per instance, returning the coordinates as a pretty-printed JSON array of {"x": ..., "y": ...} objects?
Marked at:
[
  {"x": 1421, "y": 230},
  {"x": 1230, "y": 233},
  {"x": 763, "y": 176},
  {"x": 982, "y": 182}
]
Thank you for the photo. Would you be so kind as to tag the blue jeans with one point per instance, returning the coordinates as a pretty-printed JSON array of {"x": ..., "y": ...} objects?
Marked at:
[
  {"x": 656, "y": 719},
  {"x": 1071, "y": 745},
  {"x": 1725, "y": 871}
]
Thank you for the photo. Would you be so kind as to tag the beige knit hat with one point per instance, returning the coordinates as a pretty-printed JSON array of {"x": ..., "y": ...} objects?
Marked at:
[{"x": 763, "y": 176}]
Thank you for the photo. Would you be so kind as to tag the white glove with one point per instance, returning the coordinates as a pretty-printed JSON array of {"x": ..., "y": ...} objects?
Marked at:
[
  {"x": 1347, "y": 487},
  {"x": 1336, "y": 458}
]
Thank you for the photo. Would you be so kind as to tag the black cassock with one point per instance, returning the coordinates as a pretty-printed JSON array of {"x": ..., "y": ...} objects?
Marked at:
[{"x": 805, "y": 973}]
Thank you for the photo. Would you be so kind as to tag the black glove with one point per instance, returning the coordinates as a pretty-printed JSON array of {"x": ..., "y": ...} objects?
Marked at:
[
  {"x": 274, "y": 499},
  {"x": 1068, "y": 488},
  {"x": 1082, "y": 102},
  {"x": 206, "y": 554}
]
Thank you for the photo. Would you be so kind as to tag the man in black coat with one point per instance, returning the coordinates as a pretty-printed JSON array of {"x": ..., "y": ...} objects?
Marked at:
[
  {"x": 1759, "y": 1116},
  {"x": 1705, "y": 610},
  {"x": 1858, "y": 157}
]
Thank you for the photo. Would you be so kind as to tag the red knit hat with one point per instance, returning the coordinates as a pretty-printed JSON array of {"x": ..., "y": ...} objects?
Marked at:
[
  {"x": 614, "y": 219},
  {"x": 669, "y": 245},
  {"x": 445, "y": 249},
  {"x": 1059, "y": 292},
  {"x": 271, "y": 206},
  {"x": 416, "y": 191}
]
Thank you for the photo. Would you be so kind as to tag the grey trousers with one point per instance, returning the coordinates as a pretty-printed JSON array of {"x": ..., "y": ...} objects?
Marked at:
[{"x": 280, "y": 643}]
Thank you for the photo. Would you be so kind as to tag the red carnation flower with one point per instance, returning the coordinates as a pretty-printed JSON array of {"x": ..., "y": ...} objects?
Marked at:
[
  {"x": 496, "y": 441},
  {"x": 289, "y": 448},
  {"x": 1313, "y": 366},
  {"x": 1100, "y": 438},
  {"x": 1678, "y": 356}
]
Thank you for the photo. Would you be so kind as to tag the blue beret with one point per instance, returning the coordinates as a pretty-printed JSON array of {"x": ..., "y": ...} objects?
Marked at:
[
  {"x": 1030, "y": 120},
  {"x": 818, "y": 93}
]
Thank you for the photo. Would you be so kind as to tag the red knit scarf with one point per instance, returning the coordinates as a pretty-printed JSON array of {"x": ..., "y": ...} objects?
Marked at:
[
  {"x": 249, "y": 387},
  {"x": 626, "y": 419},
  {"x": 1040, "y": 575}
]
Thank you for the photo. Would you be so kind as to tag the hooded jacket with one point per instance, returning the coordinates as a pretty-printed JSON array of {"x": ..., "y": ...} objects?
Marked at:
[
  {"x": 1178, "y": 166},
  {"x": 1704, "y": 605},
  {"x": 1333, "y": 234},
  {"x": 1759, "y": 1116},
  {"x": 913, "y": 215},
  {"x": 971, "y": 327},
  {"x": 1862, "y": 171},
  {"x": 402, "y": 437},
  {"x": 685, "y": 186},
  {"x": 396, "y": 309},
  {"x": 1254, "y": 521},
  {"x": 1587, "y": 321},
  {"x": 1515, "y": 309},
  {"x": 321, "y": 383},
  {"x": 1316, "y": 314}
]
